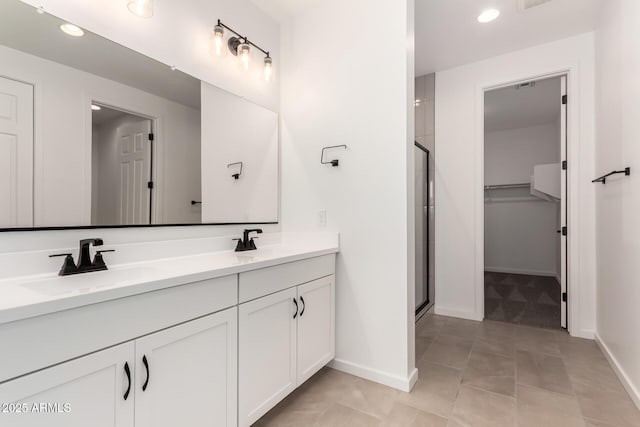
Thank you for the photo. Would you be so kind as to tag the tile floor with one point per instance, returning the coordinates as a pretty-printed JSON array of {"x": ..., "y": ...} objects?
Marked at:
[{"x": 473, "y": 374}]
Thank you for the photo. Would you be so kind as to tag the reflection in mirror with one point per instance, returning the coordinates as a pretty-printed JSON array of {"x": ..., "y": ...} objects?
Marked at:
[
  {"x": 121, "y": 167},
  {"x": 95, "y": 134}
]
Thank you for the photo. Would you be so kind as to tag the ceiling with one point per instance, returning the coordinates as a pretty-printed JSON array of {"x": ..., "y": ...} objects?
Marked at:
[
  {"x": 105, "y": 115},
  {"x": 282, "y": 10},
  {"x": 448, "y": 33},
  {"x": 510, "y": 108},
  {"x": 23, "y": 29}
]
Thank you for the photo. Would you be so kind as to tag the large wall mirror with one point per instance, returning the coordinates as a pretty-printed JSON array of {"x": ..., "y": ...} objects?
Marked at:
[{"x": 93, "y": 134}]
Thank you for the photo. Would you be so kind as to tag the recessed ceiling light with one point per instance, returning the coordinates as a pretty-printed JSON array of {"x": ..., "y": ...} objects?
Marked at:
[
  {"x": 141, "y": 8},
  {"x": 488, "y": 15},
  {"x": 72, "y": 30},
  {"x": 95, "y": 107}
]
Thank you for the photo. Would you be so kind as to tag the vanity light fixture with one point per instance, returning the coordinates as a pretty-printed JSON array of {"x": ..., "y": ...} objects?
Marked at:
[
  {"x": 488, "y": 15},
  {"x": 240, "y": 46},
  {"x": 72, "y": 30},
  {"x": 95, "y": 107},
  {"x": 141, "y": 8}
]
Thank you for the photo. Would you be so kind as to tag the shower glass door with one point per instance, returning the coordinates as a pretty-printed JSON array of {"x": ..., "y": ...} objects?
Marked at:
[{"x": 422, "y": 226}]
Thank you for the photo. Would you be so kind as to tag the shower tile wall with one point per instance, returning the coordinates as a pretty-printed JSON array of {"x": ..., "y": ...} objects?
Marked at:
[{"x": 424, "y": 131}]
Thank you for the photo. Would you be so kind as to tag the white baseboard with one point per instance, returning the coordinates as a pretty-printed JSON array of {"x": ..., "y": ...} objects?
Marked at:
[
  {"x": 587, "y": 334},
  {"x": 634, "y": 393},
  {"x": 384, "y": 378},
  {"x": 443, "y": 311},
  {"x": 520, "y": 271}
]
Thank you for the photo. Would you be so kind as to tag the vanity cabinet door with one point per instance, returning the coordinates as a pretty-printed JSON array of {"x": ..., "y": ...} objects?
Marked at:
[
  {"x": 267, "y": 359},
  {"x": 187, "y": 375},
  {"x": 316, "y": 326},
  {"x": 89, "y": 391}
]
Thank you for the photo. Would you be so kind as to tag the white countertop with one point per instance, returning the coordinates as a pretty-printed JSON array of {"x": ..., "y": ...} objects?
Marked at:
[{"x": 30, "y": 296}]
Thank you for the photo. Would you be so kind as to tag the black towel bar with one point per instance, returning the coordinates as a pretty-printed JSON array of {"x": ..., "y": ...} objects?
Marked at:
[{"x": 603, "y": 178}]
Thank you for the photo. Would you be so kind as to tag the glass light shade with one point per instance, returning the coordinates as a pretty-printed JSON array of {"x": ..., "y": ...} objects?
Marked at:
[
  {"x": 268, "y": 68},
  {"x": 141, "y": 8},
  {"x": 243, "y": 53},
  {"x": 218, "y": 36}
]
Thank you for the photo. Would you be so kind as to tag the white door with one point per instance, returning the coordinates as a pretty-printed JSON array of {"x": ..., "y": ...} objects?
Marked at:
[
  {"x": 187, "y": 375},
  {"x": 16, "y": 154},
  {"x": 267, "y": 353},
  {"x": 89, "y": 391},
  {"x": 135, "y": 172},
  {"x": 316, "y": 326},
  {"x": 563, "y": 204}
]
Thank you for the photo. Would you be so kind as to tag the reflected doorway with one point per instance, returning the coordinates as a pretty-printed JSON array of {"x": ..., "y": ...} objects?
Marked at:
[{"x": 121, "y": 167}]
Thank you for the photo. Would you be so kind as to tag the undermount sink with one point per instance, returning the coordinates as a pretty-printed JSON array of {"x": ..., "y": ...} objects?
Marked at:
[{"x": 80, "y": 283}]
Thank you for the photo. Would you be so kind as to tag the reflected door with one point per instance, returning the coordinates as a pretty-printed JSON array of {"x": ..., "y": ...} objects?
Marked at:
[
  {"x": 135, "y": 173},
  {"x": 16, "y": 154}
]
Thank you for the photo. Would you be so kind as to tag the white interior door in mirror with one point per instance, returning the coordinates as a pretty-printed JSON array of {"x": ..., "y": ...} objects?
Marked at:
[
  {"x": 16, "y": 154},
  {"x": 134, "y": 163},
  {"x": 235, "y": 130}
]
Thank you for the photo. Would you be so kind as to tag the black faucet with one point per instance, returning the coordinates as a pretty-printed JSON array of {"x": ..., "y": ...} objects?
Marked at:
[
  {"x": 85, "y": 265},
  {"x": 247, "y": 244}
]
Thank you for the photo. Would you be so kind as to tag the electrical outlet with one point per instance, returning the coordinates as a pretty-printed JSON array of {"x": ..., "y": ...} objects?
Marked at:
[{"x": 322, "y": 218}]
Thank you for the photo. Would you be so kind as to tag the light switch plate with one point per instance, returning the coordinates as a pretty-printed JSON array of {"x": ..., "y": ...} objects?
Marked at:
[{"x": 322, "y": 218}]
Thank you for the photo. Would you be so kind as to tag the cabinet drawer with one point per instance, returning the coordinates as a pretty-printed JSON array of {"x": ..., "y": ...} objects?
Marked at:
[
  {"x": 257, "y": 283},
  {"x": 43, "y": 341}
]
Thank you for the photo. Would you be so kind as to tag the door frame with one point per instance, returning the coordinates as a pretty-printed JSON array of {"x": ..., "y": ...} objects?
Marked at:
[
  {"x": 156, "y": 167},
  {"x": 571, "y": 155}
]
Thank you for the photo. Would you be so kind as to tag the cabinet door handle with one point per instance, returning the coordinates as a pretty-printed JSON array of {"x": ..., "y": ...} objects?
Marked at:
[
  {"x": 296, "y": 313},
  {"x": 303, "y": 306},
  {"x": 146, "y": 367},
  {"x": 128, "y": 372}
]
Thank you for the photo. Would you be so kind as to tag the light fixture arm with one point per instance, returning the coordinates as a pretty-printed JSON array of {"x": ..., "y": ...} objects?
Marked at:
[{"x": 240, "y": 36}]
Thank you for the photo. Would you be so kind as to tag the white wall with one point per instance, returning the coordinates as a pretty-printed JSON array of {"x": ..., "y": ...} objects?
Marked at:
[
  {"x": 618, "y": 202},
  {"x": 356, "y": 90},
  {"x": 460, "y": 174},
  {"x": 510, "y": 155},
  {"x": 62, "y": 145},
  {"x": 236, "y": 130},
  {"x": 520, "y": 236},
  {"x": 179, "y": 34}
]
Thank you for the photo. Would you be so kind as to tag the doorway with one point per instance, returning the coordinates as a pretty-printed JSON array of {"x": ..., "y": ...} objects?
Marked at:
[
  {"x": 525, "y": 210},
  {"x": 122, "y": 167}
]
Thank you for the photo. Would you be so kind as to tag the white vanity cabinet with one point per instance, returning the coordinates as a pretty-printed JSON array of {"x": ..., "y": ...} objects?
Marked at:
[
  {"x": 216, "y": 352},
  {"x": 267, "y": 353},
  {"x": 187, "y": 375},
  {"x": 284, "y": 337},
  {"x": 88, "y": 391},
  {"x": 184, "y": 375},
  {"x": 316, "y": 327}
]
